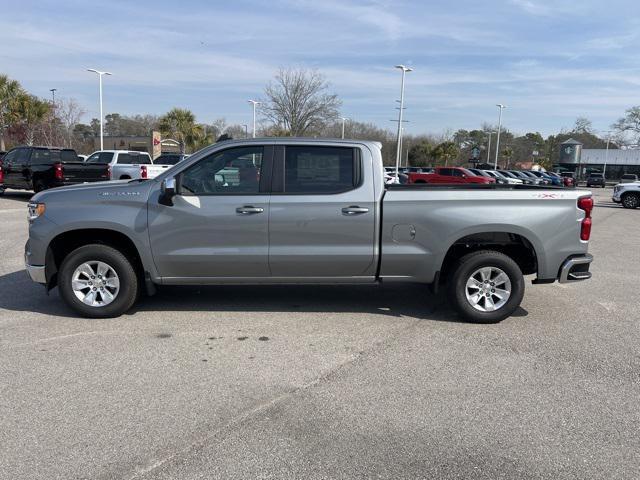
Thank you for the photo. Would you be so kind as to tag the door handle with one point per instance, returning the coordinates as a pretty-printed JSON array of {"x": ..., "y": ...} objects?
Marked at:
[
  {"x": 354, "y": 210},
  {"x": 249, "y": 210}
]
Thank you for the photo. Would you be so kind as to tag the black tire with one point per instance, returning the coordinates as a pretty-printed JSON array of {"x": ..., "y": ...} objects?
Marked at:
[
  {"x": 631, "y": 200},
  {"x": 1, "y": 191},
  {"x": 462, "y": 272},
  {"x": 38, "y": 186},
  {"x": 128, "y": 280}
]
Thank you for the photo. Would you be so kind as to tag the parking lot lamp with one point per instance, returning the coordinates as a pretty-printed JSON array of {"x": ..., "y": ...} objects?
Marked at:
[
  {"x": 399, "y": 146},
  {"x": 501, "y": 107},
  {"x": 606, "y": 158},
  {"x": 254, "y": 103},
  {"x": 100, "y": 74},
  {"x": 246, "y": 130},
  {"x": 489, "y": 148},
  {"x": 344, "y": 119}
]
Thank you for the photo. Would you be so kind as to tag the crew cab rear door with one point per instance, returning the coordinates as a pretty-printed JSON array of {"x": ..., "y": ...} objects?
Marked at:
[{"x": 322, "y": 213}]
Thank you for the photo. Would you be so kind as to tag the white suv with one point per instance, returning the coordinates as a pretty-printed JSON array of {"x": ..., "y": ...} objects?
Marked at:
[{"x": 628, "y": 194}]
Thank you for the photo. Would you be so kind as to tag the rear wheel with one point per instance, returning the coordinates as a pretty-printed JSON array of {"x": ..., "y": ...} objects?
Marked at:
[
  {"x": 98, "y": 281},
  {"x": 486, "y": 286},
  {"x": 631, "y": 200},
  {"x": 38, "y": 186}
]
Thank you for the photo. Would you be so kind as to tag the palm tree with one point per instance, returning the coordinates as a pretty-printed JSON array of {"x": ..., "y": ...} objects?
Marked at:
[
  {"x": 180, "y": 124},
  {"x": 30, "y": 111},
  {"x": 507, "y": 153},
  {"x": 445, "y": 151},
  {"x": 9, "y": 90}
]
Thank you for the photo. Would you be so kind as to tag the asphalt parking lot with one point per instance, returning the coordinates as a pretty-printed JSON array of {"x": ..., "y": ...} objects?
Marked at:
[{"x": 324, "y": 382}]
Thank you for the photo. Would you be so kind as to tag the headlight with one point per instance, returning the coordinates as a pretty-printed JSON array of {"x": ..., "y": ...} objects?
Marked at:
[{"x": 35, "y": 210}]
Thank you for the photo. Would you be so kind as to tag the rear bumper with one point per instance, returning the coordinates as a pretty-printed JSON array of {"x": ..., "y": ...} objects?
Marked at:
[{"x": 575, "y": 269}]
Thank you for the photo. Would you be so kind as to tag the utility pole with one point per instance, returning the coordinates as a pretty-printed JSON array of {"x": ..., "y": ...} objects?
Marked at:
[
  {"x": 53, "y": 113},
  {"x": 254, "y": 103},
  {"x": 100, "y": 74},
  {"x": 398, "y": 150},
  {"x": 501, "y": 107},
  {"x": 343, "y": 120}
]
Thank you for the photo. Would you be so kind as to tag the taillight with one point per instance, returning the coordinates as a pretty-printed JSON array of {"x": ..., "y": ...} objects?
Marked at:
[
  {"x": 585, "y": 204},
  {"x": 143, "y": 171},
  {"x": 58, "y": 172}
]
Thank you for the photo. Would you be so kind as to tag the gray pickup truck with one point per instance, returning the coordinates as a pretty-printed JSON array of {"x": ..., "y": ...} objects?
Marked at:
[{"x": 284, "y": 211}]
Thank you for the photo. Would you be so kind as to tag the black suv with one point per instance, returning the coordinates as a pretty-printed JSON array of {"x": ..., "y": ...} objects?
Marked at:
[
  {"x": 39, "y": 168},
  {"x": 596, "y": 180},
  {"x": 170, "y": 158}
]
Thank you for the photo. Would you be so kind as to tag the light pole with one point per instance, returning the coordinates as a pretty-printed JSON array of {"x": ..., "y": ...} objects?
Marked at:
[
  {"x": 404, "y": 72},
  {"x": 501, "y": 107},
  {"x": 246, "y": 130},
  {"x": 344, "y": 119},
  {"x": 606, "y": 158},
  {"x": 254, "y": 103},
  {"x": 489, "y": 148},
  {"x": 53, "y": 113},
  {"x": 100, "y": 74}
]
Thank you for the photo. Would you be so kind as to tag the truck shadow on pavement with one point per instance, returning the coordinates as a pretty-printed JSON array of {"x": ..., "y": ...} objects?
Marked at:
[
  {"x": 18, "y": 293},
  {"x": 17, "y": 196}
]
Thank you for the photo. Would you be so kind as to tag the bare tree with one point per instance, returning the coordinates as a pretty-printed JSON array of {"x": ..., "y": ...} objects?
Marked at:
[
  {"x": 630, "y": 123},
  {"x": 297, "y": 101},
  {"x": 69, "y": 112},
  {"x": 583, "y": 125}
]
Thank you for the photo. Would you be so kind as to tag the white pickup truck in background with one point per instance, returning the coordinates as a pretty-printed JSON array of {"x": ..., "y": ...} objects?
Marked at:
[
  {"x": 131, "y": 164},
  {"x": 123, "y": 164}
]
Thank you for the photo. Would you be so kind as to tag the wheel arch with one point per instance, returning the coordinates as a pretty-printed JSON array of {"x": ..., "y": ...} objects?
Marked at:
[
  {"x": 515, "y": 245},
  {"x": 66, "y": 242}
]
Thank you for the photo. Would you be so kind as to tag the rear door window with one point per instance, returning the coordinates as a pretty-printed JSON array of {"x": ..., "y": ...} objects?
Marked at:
[{"x": 321, "y": 170}]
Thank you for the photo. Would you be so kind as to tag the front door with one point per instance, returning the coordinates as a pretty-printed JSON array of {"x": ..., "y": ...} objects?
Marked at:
[
  {"x": 218, "y": 224},
  {"x": 15, "y": 168},
  {"x": 322, "y": 213}
]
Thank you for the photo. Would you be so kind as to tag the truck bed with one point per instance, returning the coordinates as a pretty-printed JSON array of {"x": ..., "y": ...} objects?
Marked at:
[{"x": 420, "y": 222}]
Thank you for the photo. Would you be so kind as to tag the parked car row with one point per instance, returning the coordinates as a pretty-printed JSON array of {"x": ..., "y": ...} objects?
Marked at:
[
  {"x": 452, "y": 175},
  {"x": 41, "y": 168}
]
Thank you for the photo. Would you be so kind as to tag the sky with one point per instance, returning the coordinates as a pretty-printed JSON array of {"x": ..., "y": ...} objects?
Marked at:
[{"x": 549, "y": 61}]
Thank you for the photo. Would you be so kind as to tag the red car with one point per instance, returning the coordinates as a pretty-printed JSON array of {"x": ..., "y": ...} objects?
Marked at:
[{"x": 449, "y": 175}]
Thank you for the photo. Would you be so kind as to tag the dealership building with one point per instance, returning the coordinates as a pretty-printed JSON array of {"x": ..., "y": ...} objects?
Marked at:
[
  {"x": 153, "y": 144},
  {"x": 614, "y": 162}
]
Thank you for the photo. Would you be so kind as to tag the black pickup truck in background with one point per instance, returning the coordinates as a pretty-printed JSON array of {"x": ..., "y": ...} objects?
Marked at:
[{"x": 40, "y": 168}]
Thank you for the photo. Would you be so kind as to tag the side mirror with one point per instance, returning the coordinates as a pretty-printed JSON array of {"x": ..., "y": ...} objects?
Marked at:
[{"x": 168, "y": 190}]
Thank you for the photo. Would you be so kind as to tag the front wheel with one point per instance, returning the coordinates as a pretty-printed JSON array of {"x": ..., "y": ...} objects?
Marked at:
[
  {"x": 631, "y": 200},
  {"x": 486, "y": 286},
  {"x": 98, "y": 281}
]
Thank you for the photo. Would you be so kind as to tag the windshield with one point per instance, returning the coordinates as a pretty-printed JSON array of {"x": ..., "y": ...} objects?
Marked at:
[
  {"x": 41, "y": 155},
  {"x": 100, "y": 157}
]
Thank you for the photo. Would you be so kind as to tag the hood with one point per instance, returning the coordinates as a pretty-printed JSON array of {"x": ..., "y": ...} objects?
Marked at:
[{"x": 106, "y": 189}]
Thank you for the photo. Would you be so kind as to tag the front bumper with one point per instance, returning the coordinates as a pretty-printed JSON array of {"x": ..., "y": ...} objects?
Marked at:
[
  {"x": 575, "y": 269},
  {"x": 36, "y": 272}
]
